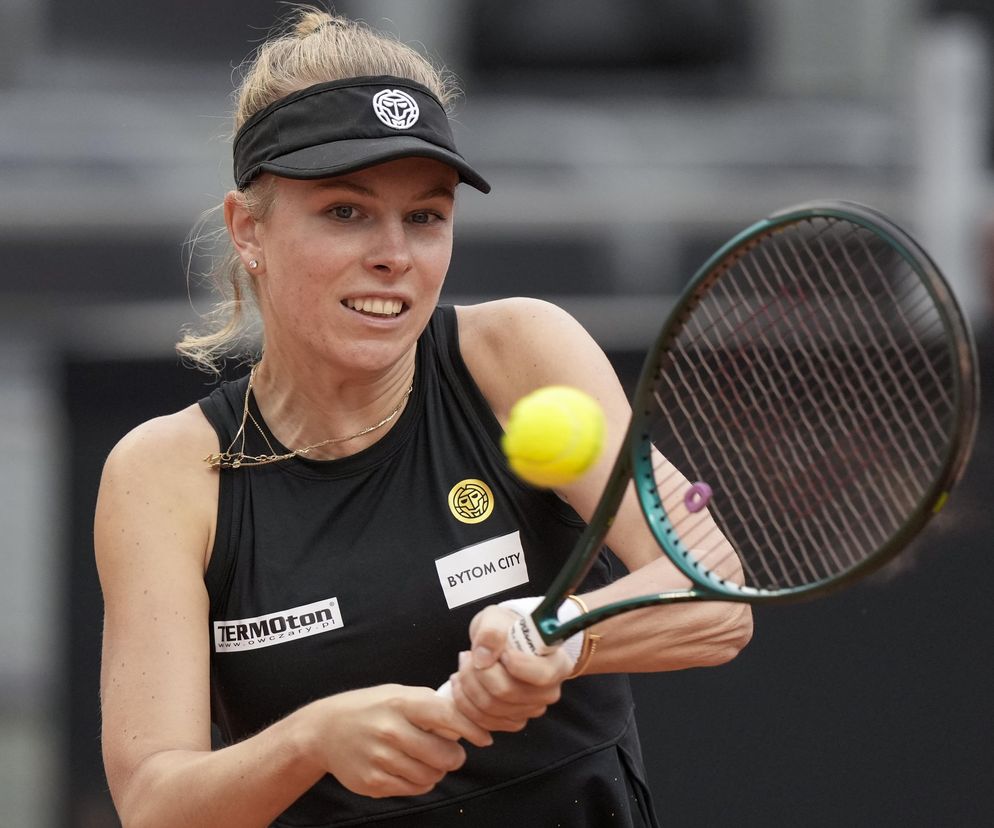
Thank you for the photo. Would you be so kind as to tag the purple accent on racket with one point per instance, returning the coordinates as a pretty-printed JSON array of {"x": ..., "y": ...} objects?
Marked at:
[{"x": 697, "y": 496}]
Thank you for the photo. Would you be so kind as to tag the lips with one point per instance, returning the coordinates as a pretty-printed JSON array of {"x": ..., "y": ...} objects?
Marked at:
[{"x": 375, "y": 306}]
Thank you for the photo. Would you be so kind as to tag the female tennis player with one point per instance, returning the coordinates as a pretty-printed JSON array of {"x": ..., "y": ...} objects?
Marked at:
[{"x": 300, "y": 558}]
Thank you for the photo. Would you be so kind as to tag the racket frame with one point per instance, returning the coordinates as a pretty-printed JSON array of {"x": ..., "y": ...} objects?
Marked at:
[{"x": 634, "y": 460}]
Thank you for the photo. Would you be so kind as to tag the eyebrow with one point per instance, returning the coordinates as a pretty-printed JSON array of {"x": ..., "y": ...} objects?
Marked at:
[
  {"x": 442, "y": 191},
  {"x": 435, "y": 192}
]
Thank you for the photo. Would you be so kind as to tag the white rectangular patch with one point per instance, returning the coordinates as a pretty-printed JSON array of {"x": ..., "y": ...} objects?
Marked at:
[
  {"x": 277, "y": 627},
  {"x": 482, "y": 570}
]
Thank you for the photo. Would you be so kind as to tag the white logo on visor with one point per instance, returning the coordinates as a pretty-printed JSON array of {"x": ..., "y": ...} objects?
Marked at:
[{"x": 396, "y": 109}]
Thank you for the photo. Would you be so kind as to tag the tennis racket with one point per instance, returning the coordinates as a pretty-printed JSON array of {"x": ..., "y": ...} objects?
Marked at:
[{"x": 804, "y": 412}]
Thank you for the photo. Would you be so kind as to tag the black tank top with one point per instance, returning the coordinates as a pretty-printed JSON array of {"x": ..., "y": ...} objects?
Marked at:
[{"x": 328, "y": 576}]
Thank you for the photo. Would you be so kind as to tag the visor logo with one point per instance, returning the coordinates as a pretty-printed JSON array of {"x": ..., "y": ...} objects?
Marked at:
[{"x": 396, "y": 109}]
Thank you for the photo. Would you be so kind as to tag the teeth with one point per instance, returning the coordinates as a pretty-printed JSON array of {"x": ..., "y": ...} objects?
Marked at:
[{"x": 380, "y": 307}]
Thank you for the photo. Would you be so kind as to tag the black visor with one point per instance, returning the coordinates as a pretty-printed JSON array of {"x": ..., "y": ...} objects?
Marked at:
[{"x": 338, "y": 127}]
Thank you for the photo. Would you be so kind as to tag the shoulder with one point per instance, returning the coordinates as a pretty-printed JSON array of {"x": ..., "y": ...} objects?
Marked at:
[
  {"x": 513, "y": 346},
  {"x": 514, "y": 322},
  {"x": 156, "y": 477},
  {"x": 171, "y": 441}
]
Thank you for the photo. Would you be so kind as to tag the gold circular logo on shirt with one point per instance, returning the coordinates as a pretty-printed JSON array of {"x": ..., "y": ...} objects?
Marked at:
[{"x": 471, "y": 501}]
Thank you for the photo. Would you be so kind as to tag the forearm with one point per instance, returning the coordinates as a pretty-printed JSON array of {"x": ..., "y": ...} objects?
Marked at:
[
  {"x": 673, "y": 637},
  {"x": 247, "y": 784}
]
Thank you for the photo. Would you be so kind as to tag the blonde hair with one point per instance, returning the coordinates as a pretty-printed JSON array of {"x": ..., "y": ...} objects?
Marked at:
[{"x": 310, "y": 46}]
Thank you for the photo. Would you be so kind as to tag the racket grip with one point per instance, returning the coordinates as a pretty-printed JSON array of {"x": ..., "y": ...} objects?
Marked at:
[{"x": 524, "y": 636}]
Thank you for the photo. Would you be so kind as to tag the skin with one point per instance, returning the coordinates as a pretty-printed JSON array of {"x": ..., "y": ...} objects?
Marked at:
[{"x": 383, "y": 232}]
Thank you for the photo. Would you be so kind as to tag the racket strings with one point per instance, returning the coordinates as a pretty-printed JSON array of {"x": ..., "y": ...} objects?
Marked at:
[
  {"x": 791, "y": 493},
  {"x": 808, "y": 388},
  {"x": 784, "y": 454},
  {"x": 886, "y": 382},
  {"x": 860, "y": 357},
  {"x": 746, "y": 417},
  {"x": 896, "y": 304},
  {"x": 855, "y": 397},
  {"x": 866, "y": 356},
  {"x": 914, "y": 298},
  {"x": 866, "y": 361}
]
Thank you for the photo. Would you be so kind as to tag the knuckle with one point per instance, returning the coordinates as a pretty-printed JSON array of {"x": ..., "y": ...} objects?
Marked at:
[
  {"x": 371, "y": 781},
  {"x": 390, "y": 733},
  {"x": 455, "y": 761}
]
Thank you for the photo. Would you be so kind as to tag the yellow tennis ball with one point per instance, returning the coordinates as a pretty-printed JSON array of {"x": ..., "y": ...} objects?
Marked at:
[{"x": 554, "y": 435}]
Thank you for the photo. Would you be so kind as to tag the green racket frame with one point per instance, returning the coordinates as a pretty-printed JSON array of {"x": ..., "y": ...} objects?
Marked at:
[{"x": 634, "y": 461}]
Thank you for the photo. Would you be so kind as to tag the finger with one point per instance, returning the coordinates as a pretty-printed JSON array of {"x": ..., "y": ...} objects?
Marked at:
[
  {"x": 413, "y": 770},
  {"x": 495, "y": 694},
  {"x": 480, "y": 715},
  {"x": 494, "y": 700},
  {"x": 377, "y": 782},
  {"x": 448, "y": 733},
  {"x": 488, "y": 635},
  {"x": 507, "y": 695},
  {"x": 547, "y": 672},
  {"x": 441, "y": 717},
  {"x": 426, "y": 747}
]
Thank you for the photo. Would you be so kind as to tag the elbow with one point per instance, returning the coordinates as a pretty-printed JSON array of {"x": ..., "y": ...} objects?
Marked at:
[
  {"x": 133, "y": 811},
  {"x": 129, "y": 815},
  {"x": 135, "y": 793},
  {"x": 730, "y": 634}
]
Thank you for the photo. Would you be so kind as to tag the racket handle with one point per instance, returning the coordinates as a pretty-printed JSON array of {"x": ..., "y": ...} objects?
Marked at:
[{"x": 524, "y": 636}]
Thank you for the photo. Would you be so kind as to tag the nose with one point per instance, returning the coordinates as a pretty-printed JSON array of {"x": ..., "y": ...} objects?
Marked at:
[{"x": 390, "y": 251}]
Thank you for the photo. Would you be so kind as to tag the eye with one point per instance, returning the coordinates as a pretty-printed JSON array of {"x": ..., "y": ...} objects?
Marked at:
[
  {"x": 343, "y": 211},
  {"x": 425, "y": 217}
]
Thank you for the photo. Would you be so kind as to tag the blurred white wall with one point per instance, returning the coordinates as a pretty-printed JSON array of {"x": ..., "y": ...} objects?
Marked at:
[
  {"x": 32, "y": 499},
  {"x": 952, "y": 118}
]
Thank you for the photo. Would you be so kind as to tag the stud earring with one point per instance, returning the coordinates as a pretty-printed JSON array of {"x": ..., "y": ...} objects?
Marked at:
[{"x": 253, "y": 264}]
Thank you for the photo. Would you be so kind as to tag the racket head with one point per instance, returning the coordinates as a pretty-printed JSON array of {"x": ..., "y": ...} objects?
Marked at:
[{"x": 815, "y": 395}]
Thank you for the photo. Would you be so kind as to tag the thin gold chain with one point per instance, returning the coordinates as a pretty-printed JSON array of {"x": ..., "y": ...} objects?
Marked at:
[{"x": 230, "y": 459}]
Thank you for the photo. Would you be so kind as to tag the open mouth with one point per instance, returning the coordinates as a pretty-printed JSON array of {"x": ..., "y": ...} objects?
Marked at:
[{"x": 383, "y": 308}]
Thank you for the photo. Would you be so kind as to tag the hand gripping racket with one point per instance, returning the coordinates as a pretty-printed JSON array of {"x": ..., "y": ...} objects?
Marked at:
[{"x": 806, "y": 409}]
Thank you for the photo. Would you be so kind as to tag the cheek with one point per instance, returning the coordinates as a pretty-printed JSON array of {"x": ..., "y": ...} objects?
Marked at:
[
  {"x": 296, "y": 295},
  {"x": 438, "y": 272},
  {"x": 303, "y": 268},
  {"x": 434, "y": 261}
]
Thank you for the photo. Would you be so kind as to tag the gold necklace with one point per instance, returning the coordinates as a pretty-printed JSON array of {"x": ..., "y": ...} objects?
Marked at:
[{"x": 229, "y": 459}]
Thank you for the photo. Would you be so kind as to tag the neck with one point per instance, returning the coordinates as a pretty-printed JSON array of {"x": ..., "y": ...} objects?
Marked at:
[{"x": 312, "y": 405}]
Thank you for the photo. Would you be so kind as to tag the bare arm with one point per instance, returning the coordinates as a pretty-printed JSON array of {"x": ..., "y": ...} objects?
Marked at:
[
  {"x": 153, "y": 532},
  {"x": 515, "y": 346}
]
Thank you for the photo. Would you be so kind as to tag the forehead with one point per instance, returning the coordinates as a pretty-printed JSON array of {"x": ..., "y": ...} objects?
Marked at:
[{"x": 405, "y": 177}]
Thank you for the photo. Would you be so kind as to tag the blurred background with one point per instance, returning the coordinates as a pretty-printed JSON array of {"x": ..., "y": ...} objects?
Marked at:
[{"x": 625, "y": 140}]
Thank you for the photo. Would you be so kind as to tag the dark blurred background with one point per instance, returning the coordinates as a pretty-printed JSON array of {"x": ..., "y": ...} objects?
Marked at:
[{"x": 625, "y": 141}]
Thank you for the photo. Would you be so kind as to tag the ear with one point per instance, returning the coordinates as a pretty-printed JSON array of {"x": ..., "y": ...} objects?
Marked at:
[{"x": 243, "y": 229}]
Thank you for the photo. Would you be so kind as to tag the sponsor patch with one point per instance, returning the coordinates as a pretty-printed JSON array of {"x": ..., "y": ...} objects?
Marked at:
[
  {"x": 277, "y": 627},
  {"x": 471, "y": 501},
  {"x": 482, "y": 570}
]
